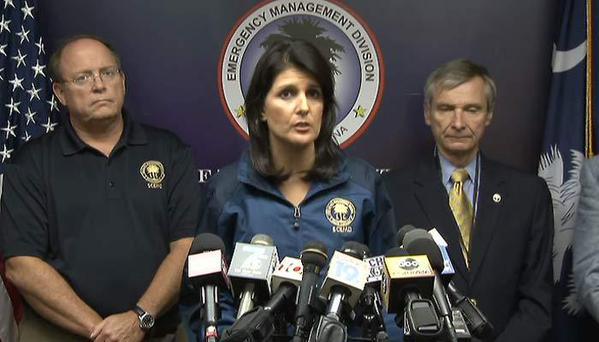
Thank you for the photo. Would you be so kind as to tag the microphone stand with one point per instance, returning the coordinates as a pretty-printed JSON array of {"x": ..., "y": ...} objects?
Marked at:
[
  {"x": 331, "y": 326},
  {"x": 373, "y": 325},
  {"x": 440, "y": 297},
  {"x": 210, "y": 294},
  {"x": 449, "y": 329}
]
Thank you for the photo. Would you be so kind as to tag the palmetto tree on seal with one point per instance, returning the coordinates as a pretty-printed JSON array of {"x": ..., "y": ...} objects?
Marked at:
[{"x": 310, "y": 31}]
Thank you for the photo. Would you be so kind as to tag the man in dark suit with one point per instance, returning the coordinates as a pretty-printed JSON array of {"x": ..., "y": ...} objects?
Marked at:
[{"x": 497, "y": 221}]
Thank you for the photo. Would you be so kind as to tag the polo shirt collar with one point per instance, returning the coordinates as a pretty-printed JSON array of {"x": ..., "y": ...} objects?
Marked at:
[{"x": 133, "y": 134}]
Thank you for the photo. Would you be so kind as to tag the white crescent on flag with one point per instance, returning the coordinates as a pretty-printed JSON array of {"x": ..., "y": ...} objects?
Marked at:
[{"x": 566, "y": 60}]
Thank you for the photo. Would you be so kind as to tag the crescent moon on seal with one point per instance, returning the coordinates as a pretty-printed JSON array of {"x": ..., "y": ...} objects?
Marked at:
[{"x": 566, "y": 60}]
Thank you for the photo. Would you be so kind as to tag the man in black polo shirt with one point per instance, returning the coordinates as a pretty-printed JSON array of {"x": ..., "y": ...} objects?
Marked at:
[{"x": 97, "y": 217}]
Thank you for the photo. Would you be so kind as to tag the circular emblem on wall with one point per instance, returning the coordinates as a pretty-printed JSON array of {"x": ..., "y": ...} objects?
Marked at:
[
  {"x": 152, "y": 171},
  {"x": 341, "y": 35},
  {"x": 340, "y": 212}
]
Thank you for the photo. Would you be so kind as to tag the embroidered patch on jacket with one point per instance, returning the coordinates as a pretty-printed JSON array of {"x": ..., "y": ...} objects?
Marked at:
[
  {"x": 153, "y": 173},
  {"x": 341, "y": 213}
]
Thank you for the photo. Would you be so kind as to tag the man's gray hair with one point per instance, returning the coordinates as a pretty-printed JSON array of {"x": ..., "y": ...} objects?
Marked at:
[{"x": 456, "y": 73}]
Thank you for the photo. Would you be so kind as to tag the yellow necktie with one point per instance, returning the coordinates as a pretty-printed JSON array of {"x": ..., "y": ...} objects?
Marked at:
[{"x": 461, "y": 208}]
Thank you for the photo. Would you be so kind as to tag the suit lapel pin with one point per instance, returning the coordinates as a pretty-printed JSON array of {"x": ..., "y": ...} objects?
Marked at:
[{"x": 496, "y": 198}]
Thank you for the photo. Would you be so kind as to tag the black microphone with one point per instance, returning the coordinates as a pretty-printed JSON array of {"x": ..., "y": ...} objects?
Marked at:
[
  {"x": 286, "y": 279},
  {"x": 342, "y": 287},
  {"x": 401, "y": 233},
  {"x": 250, "y": 271},
  {"x": 314, "y": 257},
  {"x": 419, "y": 241},
  {"x": 207, "y": 271},
  {"x": 370, "y": 309},
  {"x": 476, "y": 323},
  {"x": 407, "y": 278},
  {"x": 479, "y": 326},
  {"x": 355, "y": 249}
]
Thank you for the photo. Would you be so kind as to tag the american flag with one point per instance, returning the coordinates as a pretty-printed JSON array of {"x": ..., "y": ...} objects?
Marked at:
[
  {"x": 27, "y": 109},
  {"x": 27, "y": 106}
]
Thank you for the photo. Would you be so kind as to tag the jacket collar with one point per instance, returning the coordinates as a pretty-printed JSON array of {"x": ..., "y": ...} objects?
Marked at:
[{"x": 248, "y": 175}]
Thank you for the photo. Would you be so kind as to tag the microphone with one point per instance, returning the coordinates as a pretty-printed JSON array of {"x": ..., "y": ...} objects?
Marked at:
[
  {"x": 250, "y": 271},
  {"x": 314, "y": 257},
  {"x": 288, "y": 271},
  {"x": 406, "y": 278},
  {"x": 375, "y": 276},
  {"x": 419, "y": 241},
  {"x": 346, "y": 278},
  {"x": 207, "y": 269},
  {"x": 355, "y": 249},
  {"x": 401, "y": 233},
  {"x": 448, "y": 269},
  {"x": 370, "y": 307},
  {"x": 478, "y": 325},
  {"x": 342, "y": 287},
  {"x": 286, "y": 278},
  {"x": 259, "y": 324}
]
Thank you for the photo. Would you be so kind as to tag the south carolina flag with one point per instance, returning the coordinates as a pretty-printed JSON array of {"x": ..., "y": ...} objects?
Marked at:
[{"x": 567, "y": 142}]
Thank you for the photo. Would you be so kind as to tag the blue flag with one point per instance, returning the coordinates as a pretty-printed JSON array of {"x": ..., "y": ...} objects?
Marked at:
[
  {"x": 565, "y": 146},
  {"x": 27, "y": 106}
]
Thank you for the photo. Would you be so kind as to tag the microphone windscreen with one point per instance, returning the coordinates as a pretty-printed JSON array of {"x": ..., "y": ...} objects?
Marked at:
[
  {"x": 207, "y": 242},
  {"x": 401, "y": 233},
  {"x": 262, "y": 239},
  {"x": 427, "y": 246},
  {"x": 413, "y": 235},
  {"x": 396, "y": 251},
  {"x": 356, "y": 250},
  {"x": 314, "y": 253}
]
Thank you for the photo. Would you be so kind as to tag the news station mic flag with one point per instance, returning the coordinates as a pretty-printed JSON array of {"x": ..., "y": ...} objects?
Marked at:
[
  {"x": 27, "y": 110},
  {"x": 567, "y": 142}
]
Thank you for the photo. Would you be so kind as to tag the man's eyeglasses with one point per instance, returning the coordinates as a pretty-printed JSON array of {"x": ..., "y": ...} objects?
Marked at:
[{"x": 87, "y": 78}]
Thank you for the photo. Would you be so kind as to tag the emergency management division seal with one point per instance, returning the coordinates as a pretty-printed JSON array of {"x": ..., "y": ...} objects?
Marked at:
[
  {"x": 343, "y": 38},
  {"x": 341, "y": 213},
  {"x": 152, "y": 172}
]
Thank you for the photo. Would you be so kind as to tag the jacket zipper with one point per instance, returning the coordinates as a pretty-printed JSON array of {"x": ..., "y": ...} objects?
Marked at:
[{"x": 297, "y": 214}]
